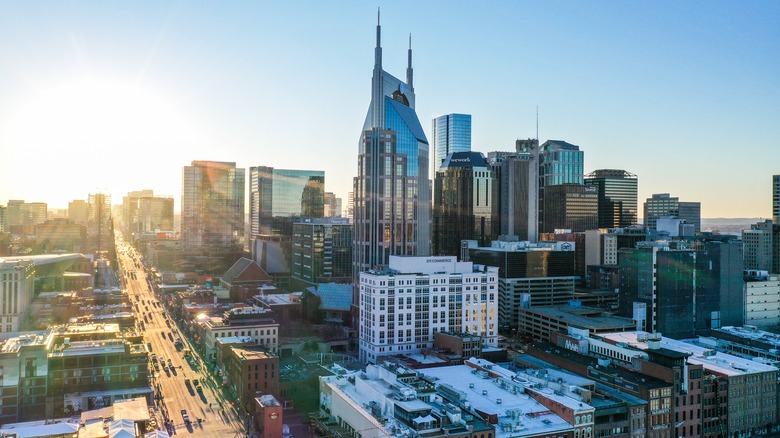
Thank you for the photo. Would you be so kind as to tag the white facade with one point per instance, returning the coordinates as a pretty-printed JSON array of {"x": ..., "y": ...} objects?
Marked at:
[
  {"x": 402, "y": 307},
  {"x": 601, "y": 248},
  {"x": 266, "y": 334},
  {"x": 17, "y": 282},
  {"x": 762, "y": 302}
]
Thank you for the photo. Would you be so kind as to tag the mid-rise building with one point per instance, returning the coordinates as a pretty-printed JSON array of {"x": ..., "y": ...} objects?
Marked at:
[
  {"x": 278, "y": 197},
  {"x": 570, "y": 207},
  {"x": 539, "y": 323},
  {"x": 664, "y": 205},
  {"x": 403, "y": 305},
  {"x": 212, "y": 207},
  {"x": 251, "y": 372},
  {"x": 60, "y": 235},
  {"x": 17, "y": 283},
  {"x": 3, "y": 219},
  {"x": 129, "y": 215},
  {"x": 529, "y": 275},
  {"x": 322, "y": 250},
  {"x": 78, "y": 211},
  {"x": 617, "y": 192},
  {"x": 253, "y": 324},
  {"x": 24, "y": 377},
  {"x": 464, "y": 203},
  {"x": 450, "y": 133},
  {"x": 762, "y": 301},
  {"x": 517, "y": 176},
  {"x": 155, "y": 213}
]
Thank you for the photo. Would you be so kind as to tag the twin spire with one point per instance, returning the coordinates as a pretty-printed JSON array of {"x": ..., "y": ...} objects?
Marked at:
[{"x": 378, "y": 52}]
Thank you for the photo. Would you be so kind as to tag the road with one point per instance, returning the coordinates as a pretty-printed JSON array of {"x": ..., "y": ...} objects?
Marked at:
[{"x": 174, "y": 389}]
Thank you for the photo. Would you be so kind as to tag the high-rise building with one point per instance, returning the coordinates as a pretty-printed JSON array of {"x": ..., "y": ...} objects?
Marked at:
[
  {"x": 99, "y": 223},
  {"x": 663, "y": 205},
  {"x": 392, "y": 201},
  {"x": 332, "y": 205},
  {"x": 776, "y": 198},
  {"x": 570, "y": 207},
  {"x": 155, "y": 213},
  {"x": 617, "y": 190},
  {"x": 517, "y": 175},
  {"x": 129, "y": 215},
  {"x": 560, "y": 163},
  {"x": 322, "y": 250},
  {"x": 761, "y": 247},
  {"x": 278, "y": 197},
  {"x": 3, "y": 219},
  {"x": 212, "y": 206},
  {"x": 450, "y": 134},
  {"x": 720, "y": 299},
  {"x": 464, "y": 205}
]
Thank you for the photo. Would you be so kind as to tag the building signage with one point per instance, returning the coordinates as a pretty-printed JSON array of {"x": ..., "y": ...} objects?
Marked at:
[{"x": 438, "y": 261}]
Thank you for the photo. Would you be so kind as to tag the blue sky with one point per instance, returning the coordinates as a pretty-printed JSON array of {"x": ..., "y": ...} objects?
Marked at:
[{"x": 684, "y": 94}]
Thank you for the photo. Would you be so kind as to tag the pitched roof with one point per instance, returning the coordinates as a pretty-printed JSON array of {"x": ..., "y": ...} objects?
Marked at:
[{"x": 244, "y": 271}]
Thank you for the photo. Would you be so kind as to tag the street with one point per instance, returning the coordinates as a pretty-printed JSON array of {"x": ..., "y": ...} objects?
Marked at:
[{"x": 175, "y": 388}]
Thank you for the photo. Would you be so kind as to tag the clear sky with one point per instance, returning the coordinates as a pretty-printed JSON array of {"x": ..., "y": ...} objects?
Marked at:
[{"x": 118, "y": 95}]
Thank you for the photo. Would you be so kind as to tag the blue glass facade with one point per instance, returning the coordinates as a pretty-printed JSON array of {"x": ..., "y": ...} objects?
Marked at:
[{"x": 451, "y": 134}]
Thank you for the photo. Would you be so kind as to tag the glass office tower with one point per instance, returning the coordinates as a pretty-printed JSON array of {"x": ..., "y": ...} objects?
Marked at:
[
  {"x": 278, "y": 196},
  {"x": 392, "y": 201},
  {"x": 617, "y": 191},
  {"x": 212, "y": 206},
  {"x": 451, "y": 133}
]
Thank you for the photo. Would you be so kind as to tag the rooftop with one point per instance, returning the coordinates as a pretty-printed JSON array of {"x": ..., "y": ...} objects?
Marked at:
[
  {"x": 713, "y": 361},
  {"x": 280, "y": 299},
  {"x": 752, "y": 333},
  {"x": 333, "y": 296},
  {"x": 584, "y": 317}
]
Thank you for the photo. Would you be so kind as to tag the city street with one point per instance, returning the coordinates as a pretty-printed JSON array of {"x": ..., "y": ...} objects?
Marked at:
[{"x": 175, "y": 388}]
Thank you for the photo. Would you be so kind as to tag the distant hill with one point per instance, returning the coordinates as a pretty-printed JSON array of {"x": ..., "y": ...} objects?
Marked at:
[{"x": 728, "y": 225}]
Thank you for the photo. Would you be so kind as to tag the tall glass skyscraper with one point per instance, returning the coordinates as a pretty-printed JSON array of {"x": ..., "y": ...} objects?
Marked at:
[
  {"x": 559, "y": 163},
  {"x": 278, "y": 196},
  {"x": 451, "y": 133},
  {"x": 617, "y": 197},
  {"x": 392, "y": 201},
  {"x": 212, "y": 206}
]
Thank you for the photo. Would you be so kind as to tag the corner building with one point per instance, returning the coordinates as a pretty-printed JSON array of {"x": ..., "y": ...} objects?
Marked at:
[
  {"x": 401, "y": 308},
  {"x": 392, "y": 200}
]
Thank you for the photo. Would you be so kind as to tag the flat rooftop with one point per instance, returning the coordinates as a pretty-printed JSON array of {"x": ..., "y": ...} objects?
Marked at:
[
  {"x": 753, "y": 334},
  {"x": 584, "y": 317},
  {"x": 713, "y": 361}
]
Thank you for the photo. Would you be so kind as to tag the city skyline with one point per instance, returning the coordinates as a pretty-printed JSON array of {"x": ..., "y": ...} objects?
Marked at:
[{"x": 665, "y": 91}]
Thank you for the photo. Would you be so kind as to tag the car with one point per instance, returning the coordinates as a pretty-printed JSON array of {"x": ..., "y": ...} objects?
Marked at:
[
  {"x": 185, "y": 416},
  {"x": 196, "y": 383}
]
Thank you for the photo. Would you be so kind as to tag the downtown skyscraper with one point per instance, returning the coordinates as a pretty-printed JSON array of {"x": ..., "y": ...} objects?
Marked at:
[
  {"x": 451, "y": 133},
  {"x": 392, "y": 200}
]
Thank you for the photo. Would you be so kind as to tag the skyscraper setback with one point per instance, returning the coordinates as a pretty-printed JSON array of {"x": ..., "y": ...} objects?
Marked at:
[{"x": 392, "y": 202}]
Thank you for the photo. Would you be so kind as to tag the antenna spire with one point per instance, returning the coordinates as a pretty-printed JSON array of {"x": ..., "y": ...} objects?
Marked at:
[
  {"x": 537, "y": 123},
  {"x": 409, "y": 71}
]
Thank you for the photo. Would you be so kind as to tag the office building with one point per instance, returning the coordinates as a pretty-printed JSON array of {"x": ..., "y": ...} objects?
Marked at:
[
  {"x": 529, "y": 275},
  {"x": 155, "y": 214},
  {"x": 776, "y": 198},
  {"x": 3, "y": 219},
  {"x": 129, "y": 217},
  {"x": 278, "y": 197},
  {"x": 332, "y": 205},
  {"x": 78, "y": 211},
  {"x": 657, "y": 289},
  {"x": 450, "y": 134},
  {"x": 559, "y": 163},
  {"x": 570, "y": 207},
  {"x": 720, "y": 288},
  {"x": 617, "y": 191},
  {"x": 322, "y": 251},
  {"x": 392, "y": 198},
  {"x": 403, "y": 305},
  {"x": 761, "y": 246},
  {"x": 212, "y": 206},
  {"x": 254, "y": 325},
  {"x": 517, "y": 176},
  {"x": 250, "y": 372},
  {"x": 664, "y": 205},
  {"x": 464, "y": 203}
]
